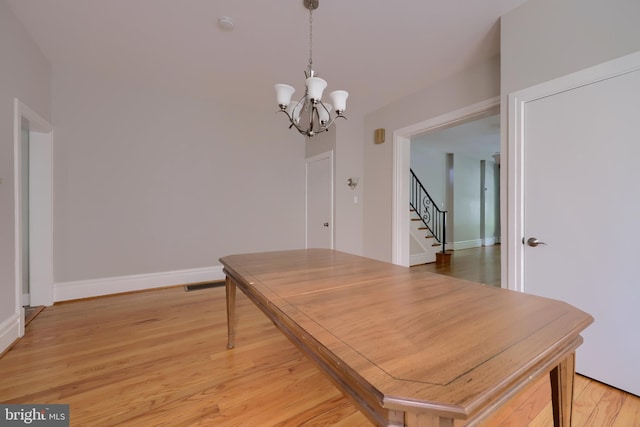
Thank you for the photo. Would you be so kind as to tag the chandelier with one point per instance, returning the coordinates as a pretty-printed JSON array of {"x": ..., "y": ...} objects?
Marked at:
[{"x": 309, "y": 115}]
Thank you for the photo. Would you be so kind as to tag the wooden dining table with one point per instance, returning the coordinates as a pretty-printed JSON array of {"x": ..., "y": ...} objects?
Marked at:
[{"x": 411, "y": 348}]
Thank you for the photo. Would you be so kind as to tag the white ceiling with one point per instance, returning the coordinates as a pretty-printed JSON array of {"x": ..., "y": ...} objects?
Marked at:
[
  {"x": 379, "y": 50},
  {"x": 479, "y": 139}
]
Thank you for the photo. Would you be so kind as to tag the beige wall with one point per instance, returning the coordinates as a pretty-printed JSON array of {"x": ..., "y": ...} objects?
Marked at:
[
  {"x": 545, "y": 39},
  {"x": 345, "y": 138},
  {"x": 149, "y": 182},
  {"x": 320, "y": 143},
  {"x": 491, "y": 232},
  {"x": 25, "y": 74},
  {"x": 466, "y": 201},
  {"x": 349, "y": 163},
  {"x": 478, "y": 83},
  {"x": 430, "y": 166}
]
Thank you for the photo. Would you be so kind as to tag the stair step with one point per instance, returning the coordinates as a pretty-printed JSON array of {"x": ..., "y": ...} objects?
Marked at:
[
  {"x": 416, "y": 219},
  {"x": 436, "y": 244},
  {"x": 429, "y": 237}
]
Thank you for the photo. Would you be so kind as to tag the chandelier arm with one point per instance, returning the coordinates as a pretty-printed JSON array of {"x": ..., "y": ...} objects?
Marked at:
[
  {"x": 323, "y": 127},
  {"x": 333, "y": 119},
  {"x": 294, "y": 124},
  {"x": 314, "y": 116},
  {"x": 311, "y": 132}
]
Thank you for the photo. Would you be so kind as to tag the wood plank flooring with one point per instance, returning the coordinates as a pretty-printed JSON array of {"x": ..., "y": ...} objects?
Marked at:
[
  {"x": 480, "y": 265},
  {"x": 159, "y": 358}
]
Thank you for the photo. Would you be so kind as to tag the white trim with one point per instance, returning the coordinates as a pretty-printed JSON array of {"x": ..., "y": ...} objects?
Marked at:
[
  {"x": 65, "y": 291},
  {"x": 39, "y": 123},
  {"x": 10, "y": 330},
  {"x": 400, "y": 252},
  {"x": 515, "y": 209},
  {"x": 400, "y": 215},
  {"x": 517, "y": 105},
  {"x": 419, "y": 259},
  {"x": 490, "y": 241},
  {"x": 40, "y": 218},
  {"x": 45, "y": 264},
  {"x": 317, "y": 157},
  {"x": 467, "y": 244}
]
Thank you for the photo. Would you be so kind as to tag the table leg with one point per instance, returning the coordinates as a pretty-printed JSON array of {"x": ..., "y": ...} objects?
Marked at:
[
  {"x": 562, "y": 391},
  {"x": 231, "y": 312},
  {"x": 413, "y": 419}
]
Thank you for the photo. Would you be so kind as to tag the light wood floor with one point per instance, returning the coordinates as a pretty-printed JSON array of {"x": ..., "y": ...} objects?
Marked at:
[
  {"x": 480, "y": 265},
  {"x": 158, "y": 358}
]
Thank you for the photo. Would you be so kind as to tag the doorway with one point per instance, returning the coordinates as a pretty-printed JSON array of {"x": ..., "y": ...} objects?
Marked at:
[
  {"x": 457, "y": 166},
  {"x": 33, "y": 177},
  {"x": 402, "y": 163},
  {"x": 319, "y": 201}
]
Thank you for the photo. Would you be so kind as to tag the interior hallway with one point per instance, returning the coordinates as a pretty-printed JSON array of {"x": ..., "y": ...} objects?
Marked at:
[{"x": 476, "y": 264}]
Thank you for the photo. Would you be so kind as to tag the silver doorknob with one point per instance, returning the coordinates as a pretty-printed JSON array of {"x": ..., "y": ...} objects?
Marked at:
[{"x": 533, "y": 242}]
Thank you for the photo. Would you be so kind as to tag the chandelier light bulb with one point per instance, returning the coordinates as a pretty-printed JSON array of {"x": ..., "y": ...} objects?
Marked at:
[
  {"x": 225, "y": 23},
  {"x": 323, "y": 113},
  {"x": 294, "y": 111},
  {"x": 283, "y": 94},
  {"x": 315, "y": 87},
  {"x": 339, "y": 99}
]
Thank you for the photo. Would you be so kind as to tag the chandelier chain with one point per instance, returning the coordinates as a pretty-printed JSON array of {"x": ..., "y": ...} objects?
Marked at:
[{"x": 310, "y": 39}]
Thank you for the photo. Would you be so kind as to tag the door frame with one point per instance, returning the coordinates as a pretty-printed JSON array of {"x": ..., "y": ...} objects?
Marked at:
[
  {"x": 400, "y": 241},
  {"x": 326, "y": 155},
  {"x": 41, "y": 235},
  {"x": 516, "y": 139}
]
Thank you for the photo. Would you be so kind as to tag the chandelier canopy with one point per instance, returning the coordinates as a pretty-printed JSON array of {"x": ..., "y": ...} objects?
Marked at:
[{"x": 309, "y": 115}]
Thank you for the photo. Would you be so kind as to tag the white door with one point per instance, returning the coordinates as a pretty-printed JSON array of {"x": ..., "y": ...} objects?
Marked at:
[
  {"x": 40, "y": 219},
  {"x": 577, "y": 153},
  {"x": 320, "y": 201}
]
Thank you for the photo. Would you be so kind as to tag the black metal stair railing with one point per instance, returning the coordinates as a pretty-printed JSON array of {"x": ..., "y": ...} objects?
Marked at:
[{"x": 424, "y": 206}]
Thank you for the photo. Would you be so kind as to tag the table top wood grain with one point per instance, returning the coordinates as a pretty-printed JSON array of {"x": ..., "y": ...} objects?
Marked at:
[{"x": 407, "y": 338}]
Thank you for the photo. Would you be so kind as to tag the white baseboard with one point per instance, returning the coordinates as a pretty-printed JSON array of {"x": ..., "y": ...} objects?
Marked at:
[
  {"x": 467, "y": 244},
  {"x": 79, "y": 289},
  {"x": 490, "y": 241},
  {"x": 10, "y": 331},
  {"x": 417, "y": 259}
]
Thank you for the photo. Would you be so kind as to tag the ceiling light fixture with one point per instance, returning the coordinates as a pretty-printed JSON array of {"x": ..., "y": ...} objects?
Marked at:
[
  {"x": 225, "y": 23},
  {"x": 310, "y": 116}
]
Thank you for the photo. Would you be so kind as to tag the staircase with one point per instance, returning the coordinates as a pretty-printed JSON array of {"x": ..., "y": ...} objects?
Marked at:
[
  {"x": 424, "y": 245},
  {"x": 428, "y": 227}
]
